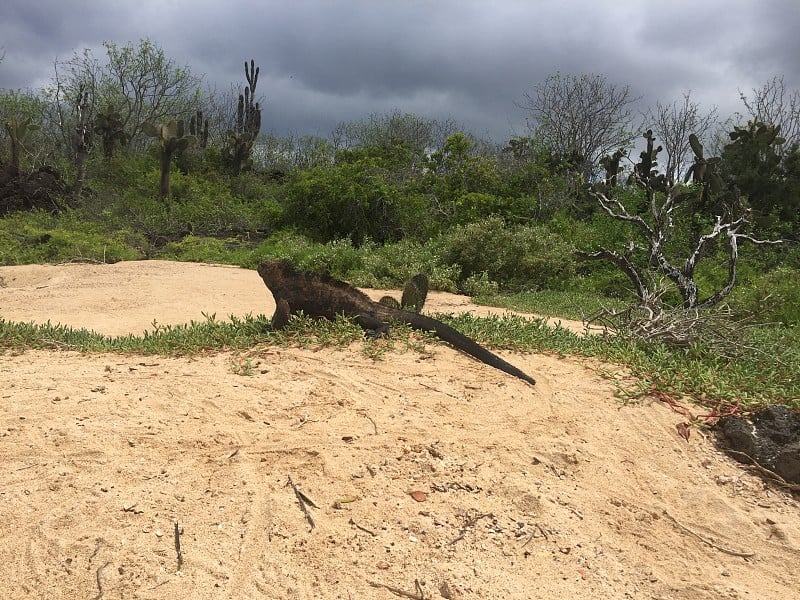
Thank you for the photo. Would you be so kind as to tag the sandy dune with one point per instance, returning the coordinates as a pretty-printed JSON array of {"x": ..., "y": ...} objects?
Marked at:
[{"x": 552, "y": 491}]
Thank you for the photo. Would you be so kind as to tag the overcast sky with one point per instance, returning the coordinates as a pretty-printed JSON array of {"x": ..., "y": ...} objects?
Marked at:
[{"x": 327, "y": 61}]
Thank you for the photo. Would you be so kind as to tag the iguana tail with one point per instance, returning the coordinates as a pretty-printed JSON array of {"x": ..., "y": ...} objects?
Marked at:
[{"x": 462, "y": 342}]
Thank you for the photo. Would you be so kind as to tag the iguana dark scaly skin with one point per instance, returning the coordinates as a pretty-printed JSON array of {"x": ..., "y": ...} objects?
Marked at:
[{"x": 325, "y": 297}]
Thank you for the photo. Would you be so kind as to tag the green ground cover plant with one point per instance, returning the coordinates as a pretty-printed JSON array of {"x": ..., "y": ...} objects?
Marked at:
[{"x": 766, "y": 371}]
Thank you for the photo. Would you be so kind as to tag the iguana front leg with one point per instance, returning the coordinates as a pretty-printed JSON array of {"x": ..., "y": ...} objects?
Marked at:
[{"x": 282, "y": 315}]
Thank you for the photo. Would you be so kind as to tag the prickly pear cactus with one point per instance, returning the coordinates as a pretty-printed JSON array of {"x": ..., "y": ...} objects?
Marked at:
[
  {"x": 111, "y": 128},
  {"x": 18, "y": 131},
  {"x": 704, "y": 170},
  {"x": 171, "y": 140},
  {"x": 757, "y": 132}
]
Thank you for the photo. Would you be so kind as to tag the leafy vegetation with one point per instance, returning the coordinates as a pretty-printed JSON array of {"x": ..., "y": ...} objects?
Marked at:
[{"x": 388, "y": 196}]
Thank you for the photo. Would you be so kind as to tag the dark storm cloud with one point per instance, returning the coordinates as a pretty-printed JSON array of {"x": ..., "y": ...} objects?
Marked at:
[
  {"x": 719, "y": 47},
  {"x": 323, "y": 62}
]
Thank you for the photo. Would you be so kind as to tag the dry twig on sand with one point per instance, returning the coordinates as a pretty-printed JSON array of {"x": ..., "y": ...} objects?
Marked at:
[
  {"x": 178, "y": 549},
  {"x": 304, "y": 502},
  {"x": 418, "y": 595},
  {"x": 771, "y": 475},
  {"x": 706, "y": 540},
  {"x": 100, "y": 581},
  {"x": 470, "y": 522}
]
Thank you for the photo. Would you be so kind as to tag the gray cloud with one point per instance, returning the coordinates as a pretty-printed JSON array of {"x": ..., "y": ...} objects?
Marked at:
[{"x": 324, "y": 62}]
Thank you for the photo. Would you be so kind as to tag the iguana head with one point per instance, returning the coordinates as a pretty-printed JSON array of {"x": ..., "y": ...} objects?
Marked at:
[{"x": 272, "y": 271}]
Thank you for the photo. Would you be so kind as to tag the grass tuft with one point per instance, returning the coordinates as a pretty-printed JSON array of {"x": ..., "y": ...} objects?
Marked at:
[{"x": 768, "y": 373}]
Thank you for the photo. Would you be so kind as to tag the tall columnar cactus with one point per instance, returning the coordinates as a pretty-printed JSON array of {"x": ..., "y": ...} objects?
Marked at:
[
  {"x": 171, "y": 139},
  {"x": 111, "y": 127},
  {"x": 198, "y": 127},
  {"x": 18, "y": 131},
  {"x": 248, "y": 121}
]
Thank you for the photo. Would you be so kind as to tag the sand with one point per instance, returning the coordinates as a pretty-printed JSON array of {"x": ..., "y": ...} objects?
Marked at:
[{"x": 432, "y": 476}]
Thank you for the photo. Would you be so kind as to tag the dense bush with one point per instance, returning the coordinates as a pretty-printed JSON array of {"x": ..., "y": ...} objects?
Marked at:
[
  {"x": 515, "y": 257},
  {"x": 475, "y": 206},
  {"x": 773, "y": 297},
  {"x": 347, "y": 200},
  {"x": 205, "y": 249},
  {"x": 198, "y": 206},
  {"x": 392, "y": 264},
  {"x": 40, "y": 237}
]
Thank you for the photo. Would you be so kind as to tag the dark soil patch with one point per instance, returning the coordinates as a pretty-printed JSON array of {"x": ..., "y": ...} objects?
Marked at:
[{"x": 39, "y": 189}]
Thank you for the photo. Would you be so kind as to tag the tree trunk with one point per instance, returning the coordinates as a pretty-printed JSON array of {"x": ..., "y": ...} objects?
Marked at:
[
  {"x": 166, "y": 162},
  {"x": 80, "y": 173},
  {"x": 15, "y": 150}
]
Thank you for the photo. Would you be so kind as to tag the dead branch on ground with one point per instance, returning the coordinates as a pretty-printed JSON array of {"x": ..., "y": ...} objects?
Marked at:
[{"x": 304, "y": 502}]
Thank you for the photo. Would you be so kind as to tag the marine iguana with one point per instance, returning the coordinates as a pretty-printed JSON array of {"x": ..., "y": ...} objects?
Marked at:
[{"x": 325, "y": 297}]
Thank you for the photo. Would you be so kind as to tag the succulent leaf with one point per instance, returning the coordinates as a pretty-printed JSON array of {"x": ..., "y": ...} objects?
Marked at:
[{"x": 697, "y": 147}]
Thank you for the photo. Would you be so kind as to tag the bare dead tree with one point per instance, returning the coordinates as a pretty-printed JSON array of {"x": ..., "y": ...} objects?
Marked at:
[
  {"x": 220, "y": 109},
  {"x": 774, "y": 104},
  {"x": 672, "y": 124},
  {"x": 647, "y": 263},
  {"x": 76, "y": 78},
  {"x": 657, "y": 231},
  {"x": 585, "y": 117}
]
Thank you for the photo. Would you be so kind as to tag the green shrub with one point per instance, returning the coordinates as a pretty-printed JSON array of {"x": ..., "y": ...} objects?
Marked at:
[
  {"x": 198, "y": 249},
  {"x": 40, "y": 237},
  {"x": 391, "y": 265},
  {"x": 252, "y": 186},
  {"x": 473, "y": 206},
  {"x": 772, "y": 297},
  {"x": 124, "y": 172},
  {"x": 479, "y": 284},
  {"x": 348, "y": 200},
  {"x": 338, "y": 258},
  {"x": 283, "y": 244},
  {"x": 515, "y": 257},
  {"x": 199, "y": 206}
]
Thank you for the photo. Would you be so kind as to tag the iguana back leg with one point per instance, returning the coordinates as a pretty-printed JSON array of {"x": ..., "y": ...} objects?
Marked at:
[
  {"x": 415, "y": 292},
  {"x": 374, "y": 327},
  {"x": 390, "y": 302}
]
